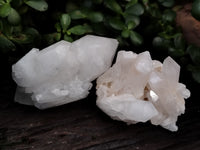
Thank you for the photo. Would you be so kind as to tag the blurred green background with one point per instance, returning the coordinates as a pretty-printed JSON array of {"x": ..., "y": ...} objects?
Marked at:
[{"x": 139, "y": 25}]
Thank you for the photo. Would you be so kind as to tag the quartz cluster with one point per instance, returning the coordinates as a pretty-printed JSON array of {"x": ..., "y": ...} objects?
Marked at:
[
  {"x": 63, "y": 72},
  {"x": 137, "y": 89}
]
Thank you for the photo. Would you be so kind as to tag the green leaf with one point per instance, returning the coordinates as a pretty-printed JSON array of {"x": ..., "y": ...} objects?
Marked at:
[
  {"x": 7, "y": 28},
  {"x": 157, "y": 42},
  {"x": 131, "y": 25},
  {"x": 132, "y": 18},
  {"x": 5, "y": 10},
  {"x": 32, "y": 32},
  {"x": 2, "y": 2},
  {"x": 65, "y": 21},
  {"x": 79, "y": 30},
  {"x": 6, "y": 45},
  {"x": 167, "y": 3},
  {"x": 179, "y": 41},
  {"x": 125, "y": 33},
  {"x": 169, "y": 16},
  {"x": 136, "y": 38},
  {"x": 87, "y": 28},
  {"x": 161, "y": 44},
  {"x": 39, "y": 5},
  {"x": 68, "y": 38},
  {"x": 51, "y": 38},
  {"x": 165, "y": 34},
  {"x": 14, "y": 17},
  {"x": 27, "y": 39},
  {"x": 8, "y": 1},
  {"x": 145, "y": 1},
  {"x": 132, "y": 2},
  {"x": 113, "y": 5},
  {"x": 95, "y": 17},
  {"x": 58, "y": 27},
  {"x": 194, "y": 53},
  {"x": 154, "y": 10},
  {"x": 122, "y": 41},
  {"x": 176, "y": 52},
  {"x": 57, "y": 36},
  {"x": 136, "y": 9},
  {"x": 117, "y": 23},
  {"x": 77, "y": 14}
]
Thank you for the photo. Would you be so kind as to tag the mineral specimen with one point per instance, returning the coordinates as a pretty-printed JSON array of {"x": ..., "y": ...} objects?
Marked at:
[
  {"x": 63, "y": 72},
  {"x": 137, "y": 89}
]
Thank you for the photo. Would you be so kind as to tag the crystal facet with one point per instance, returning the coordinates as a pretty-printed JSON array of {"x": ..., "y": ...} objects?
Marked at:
[
  {"x": 63, "y": 72},
  {"x": 137, "y": 89}
]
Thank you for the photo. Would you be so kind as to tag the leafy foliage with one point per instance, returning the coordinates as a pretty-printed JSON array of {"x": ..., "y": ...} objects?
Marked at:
[
  {"x": 146, "y": 23},
  {"x": 39, "y": 5},
  {"x": 13, "y": 32}
]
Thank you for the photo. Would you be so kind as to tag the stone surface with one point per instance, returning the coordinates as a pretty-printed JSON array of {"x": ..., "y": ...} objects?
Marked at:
[
  {"x": 63, "y": 72},
  {"x": 137, "y": 89}
]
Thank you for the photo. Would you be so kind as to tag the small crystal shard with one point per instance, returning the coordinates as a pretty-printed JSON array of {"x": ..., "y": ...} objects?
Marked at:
[
  {"x": 137, "y": 89},
  {"x": 62, "y": 72}
]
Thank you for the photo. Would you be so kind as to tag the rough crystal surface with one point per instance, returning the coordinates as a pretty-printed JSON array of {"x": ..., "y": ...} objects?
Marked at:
[
  {"x": 63, "y": 72},
  {"x": 137, "y": 89}
]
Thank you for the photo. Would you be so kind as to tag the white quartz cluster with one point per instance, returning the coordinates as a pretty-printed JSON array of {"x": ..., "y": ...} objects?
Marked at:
[
  {"x": 63, "y": 72},
  {"x": 137, "y": 89}
]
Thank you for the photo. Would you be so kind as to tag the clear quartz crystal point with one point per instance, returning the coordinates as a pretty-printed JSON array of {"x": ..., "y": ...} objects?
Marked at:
[
  {"x": 139, "y": 89},
  {"x": 62, "y": 72}
]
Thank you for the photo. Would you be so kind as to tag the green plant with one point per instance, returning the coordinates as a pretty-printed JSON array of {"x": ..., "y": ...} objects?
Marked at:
[
  {"x": 135, "y": 23},
  {"x": 117, "y": 20},
  {"x": 14, "y": 31}
]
